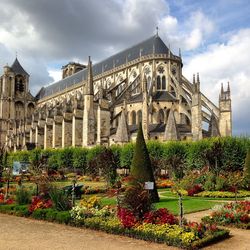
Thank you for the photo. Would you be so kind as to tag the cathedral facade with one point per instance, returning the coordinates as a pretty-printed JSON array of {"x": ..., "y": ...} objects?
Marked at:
[{"x": 104, "y": 103}]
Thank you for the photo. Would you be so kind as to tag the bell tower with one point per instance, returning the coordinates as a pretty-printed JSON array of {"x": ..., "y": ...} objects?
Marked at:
[
  {"x": 14, "y": 94},
  {"x": 225, "y": 119}
]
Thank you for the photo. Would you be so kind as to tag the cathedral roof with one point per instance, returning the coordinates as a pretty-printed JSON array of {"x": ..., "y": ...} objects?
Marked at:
[
  {"x": 18, "y": 69},
  {"x": 152, "y": 45}
]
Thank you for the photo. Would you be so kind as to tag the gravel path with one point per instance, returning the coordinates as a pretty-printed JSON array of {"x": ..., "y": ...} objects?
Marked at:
[{"x": 18, "y": 233}]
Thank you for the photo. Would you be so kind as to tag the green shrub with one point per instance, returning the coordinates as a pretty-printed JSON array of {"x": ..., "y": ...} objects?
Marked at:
[
  {"x": 234, "y": 153},
  {"x": 247, "y": 170},
  {"x": 53, "y": 160},
  {"x": 196, "y": 154},
  {"x": 80, "y": 158},
  {"x": 126, "y": 155},
  {"x": 39, "y": 214},
  {"x": 59, "y": 199},
  {"x": 116, "y": 150},
  {"x": 23, "y": 196},
  {"x": 22, "y": 210},
  {"x": 65, "y": 158},
  {"x": 221, "y": 183},
  {"x": 174, "y": 154},
  {"x": 63, "y": 217},
  {"x": 210, "y": 182},
  {"x": 51, "y": 214}
]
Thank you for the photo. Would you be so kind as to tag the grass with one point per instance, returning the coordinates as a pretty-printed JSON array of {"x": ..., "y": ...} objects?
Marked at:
[{"x": 190, "y": 204}]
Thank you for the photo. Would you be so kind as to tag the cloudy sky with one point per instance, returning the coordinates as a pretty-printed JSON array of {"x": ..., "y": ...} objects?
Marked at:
[{"x": 214, "y": 36}]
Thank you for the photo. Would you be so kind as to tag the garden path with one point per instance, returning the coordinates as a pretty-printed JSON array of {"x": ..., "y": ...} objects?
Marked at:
[
  {"x": 18, "y": 233},
  {"x": 239, "y": 240}
]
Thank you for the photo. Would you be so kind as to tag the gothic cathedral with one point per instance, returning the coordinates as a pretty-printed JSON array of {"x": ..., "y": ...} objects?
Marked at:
[{"x": 104, "y": 103}]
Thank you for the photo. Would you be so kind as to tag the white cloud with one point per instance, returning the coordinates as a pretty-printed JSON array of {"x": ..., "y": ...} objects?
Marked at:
[
  {"x": 55, "y": 74},
  {"x": 223, "y": 63},
  {"x": 189, "y": 34}
]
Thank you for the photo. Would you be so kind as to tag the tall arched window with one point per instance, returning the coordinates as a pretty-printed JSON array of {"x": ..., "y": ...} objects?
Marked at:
[
  {"x": 161, "y": 116},
  {"x": 158, "y": 82},
  {"x": 133, "y": 118},
  {"x": 163, "y": 83},
  {"x": 139, "y": 117},
  {"x": 148, "y": 83},
  {"x": 19, "y": 107}
]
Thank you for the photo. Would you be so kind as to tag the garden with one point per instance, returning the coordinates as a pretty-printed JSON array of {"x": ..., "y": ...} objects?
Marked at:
[{"x": 139, "y": 190}]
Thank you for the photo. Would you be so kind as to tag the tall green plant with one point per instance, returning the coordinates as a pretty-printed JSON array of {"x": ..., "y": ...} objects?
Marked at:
[
  {"x": 247, "y": 170},
  {"x": 141, "y": 168}
]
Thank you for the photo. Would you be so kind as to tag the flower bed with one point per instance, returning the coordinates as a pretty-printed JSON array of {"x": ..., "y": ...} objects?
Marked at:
[
  {"x": 223, "y": 194},
  {"x": 164, "y": 184},
  {"x": 235, "y": 214}
]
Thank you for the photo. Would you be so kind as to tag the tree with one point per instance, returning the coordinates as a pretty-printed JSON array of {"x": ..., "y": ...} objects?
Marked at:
[
  {"x": 141, "y": 168},
  {"x": 247, "y": 170},
  {"x": 3, "y": 162}
]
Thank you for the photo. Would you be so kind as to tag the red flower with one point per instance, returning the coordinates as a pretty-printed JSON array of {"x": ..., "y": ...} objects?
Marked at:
[
  {"x": 160, "y": 216},
  {"x": 126, "y": 217}
]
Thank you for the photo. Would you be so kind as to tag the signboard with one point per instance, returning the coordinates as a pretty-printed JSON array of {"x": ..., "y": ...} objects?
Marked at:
[
  {"x": 149, "y": 185},
  {"x": 20, "y": 167}
]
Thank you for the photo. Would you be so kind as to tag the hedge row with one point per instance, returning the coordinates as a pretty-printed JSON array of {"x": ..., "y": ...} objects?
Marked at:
[{"x": 226, "y": 153}]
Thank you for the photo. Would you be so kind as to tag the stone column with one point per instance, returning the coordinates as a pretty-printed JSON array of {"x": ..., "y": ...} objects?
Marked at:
[
  {"x": 39, "y": 135},
  {"x": 48, "y": 133},
  {"x": 57, "y": 132},
  {"x": 67, "y": 130},
  {"x": 77, "y": 128}
]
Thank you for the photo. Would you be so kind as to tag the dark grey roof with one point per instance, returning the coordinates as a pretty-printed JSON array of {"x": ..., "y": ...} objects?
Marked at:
[
  {"x": 163, "y": 96},
  {"x": 18, "y": 69},
  {"x": 144, "y": 48}
]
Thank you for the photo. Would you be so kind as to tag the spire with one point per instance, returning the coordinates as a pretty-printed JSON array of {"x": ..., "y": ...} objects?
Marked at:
[
  {"x": 193, "y": 78},
  {"x": 122, "y": 132},
  {"x": 228, "y": 87},
  {"x": 90, "y": 88},
  {"x": 180, "y": 52},
  {"x": 169, "y": 54},
  {"x": 213, "y": 126},
  {"x": 18, "y": 69},
  {"x": 222, "y": 89},
  {"x": 157, "y": 29},
  {"x": 171, "y": 133},
  {"x": 198, "y": 82}
]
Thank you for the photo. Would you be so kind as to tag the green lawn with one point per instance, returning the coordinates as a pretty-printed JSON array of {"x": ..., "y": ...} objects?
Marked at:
[{"x": 170, "y": 201}]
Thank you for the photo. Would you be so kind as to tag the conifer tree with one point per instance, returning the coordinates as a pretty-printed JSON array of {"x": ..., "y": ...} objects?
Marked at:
[
  {"x": 247, "y": 170},
  {"x": 141, "y": 168}
]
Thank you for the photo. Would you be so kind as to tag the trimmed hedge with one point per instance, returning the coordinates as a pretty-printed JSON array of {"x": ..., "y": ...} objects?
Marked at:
[{"x": 190, "y": 155}]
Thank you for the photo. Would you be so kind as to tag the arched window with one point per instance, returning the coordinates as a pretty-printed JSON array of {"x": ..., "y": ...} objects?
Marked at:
[
  {"x": 31, "y": 109},
  {"x": 158, "y": 83},
  {"x": 148, "y": 83},
  {"x": 19, "y": 108},
  {"x": 163, "y": 83},
  {"x": 161, "y": 116},
  {"x": 133, "y": 118},
  {"x": 139, "y": 117}
]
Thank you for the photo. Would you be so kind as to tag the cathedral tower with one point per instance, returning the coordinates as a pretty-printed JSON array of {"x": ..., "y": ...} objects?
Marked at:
[
  {"x": 196, "y": 110},
  {"x": 225, "y": 119},
  {"x": 15, "y": 100}
]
